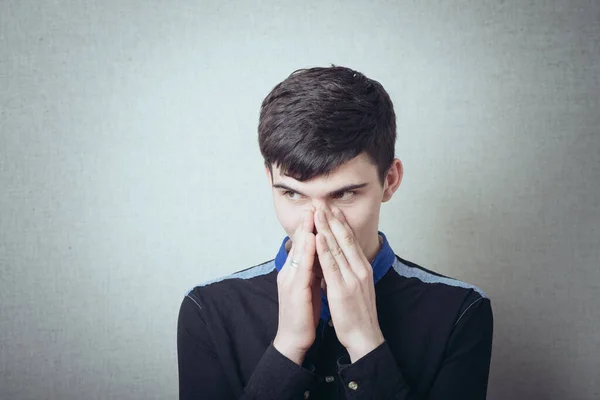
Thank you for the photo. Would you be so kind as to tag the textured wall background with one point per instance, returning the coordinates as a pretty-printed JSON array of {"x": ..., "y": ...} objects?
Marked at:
[{"x": 129, "y": 172}]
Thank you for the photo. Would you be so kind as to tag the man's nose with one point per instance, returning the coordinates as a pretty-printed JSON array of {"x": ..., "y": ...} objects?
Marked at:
[{"x": 318, "y": 204}]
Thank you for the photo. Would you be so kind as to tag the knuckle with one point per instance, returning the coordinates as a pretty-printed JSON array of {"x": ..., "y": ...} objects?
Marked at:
[
  {"x": 336, "y": 251},
  {"x": 335, "y": 266},
  {"x": 352, "y": 286},
  {"x": 363, "y": 275},
  {"x": 349, "y": 238}
]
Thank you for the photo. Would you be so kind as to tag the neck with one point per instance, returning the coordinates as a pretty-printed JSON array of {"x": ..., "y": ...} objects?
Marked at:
[{"x": 373, "y": 248}]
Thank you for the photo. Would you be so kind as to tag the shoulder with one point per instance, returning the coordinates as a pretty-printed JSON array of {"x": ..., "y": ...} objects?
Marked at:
[
  {"x": 243, "y": 283},
  {"x": 408, "y": 269},
  {"x": 440, "y": 289}
]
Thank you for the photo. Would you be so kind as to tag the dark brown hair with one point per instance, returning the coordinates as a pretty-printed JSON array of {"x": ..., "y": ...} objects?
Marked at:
[{"x": 319, "y": 118}]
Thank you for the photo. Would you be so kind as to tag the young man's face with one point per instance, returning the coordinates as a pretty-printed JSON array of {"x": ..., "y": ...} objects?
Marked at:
[{"x": 353, "y": 187}]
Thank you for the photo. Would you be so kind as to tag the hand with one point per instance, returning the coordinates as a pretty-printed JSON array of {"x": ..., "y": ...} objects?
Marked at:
[
  {"x": 299, "y": 295},
  {"x": 350, "y": 285}
]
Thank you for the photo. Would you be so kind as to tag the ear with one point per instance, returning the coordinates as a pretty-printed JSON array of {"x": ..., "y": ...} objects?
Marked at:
[
  {"x": 392, "y": 180},
  {"x": 268, "y": 173}
]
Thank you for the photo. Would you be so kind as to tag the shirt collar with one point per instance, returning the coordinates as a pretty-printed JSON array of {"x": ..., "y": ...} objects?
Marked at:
[{"x": 381, "y": 264}]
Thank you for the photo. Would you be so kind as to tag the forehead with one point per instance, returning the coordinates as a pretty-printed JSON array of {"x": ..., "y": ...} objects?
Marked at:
[{"x": 358, "y": 170}]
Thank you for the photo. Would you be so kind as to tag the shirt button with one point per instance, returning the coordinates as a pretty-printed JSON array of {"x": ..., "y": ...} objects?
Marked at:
[
  {"x": 330, "y": 322},
  {"x": 307, "y": 394},
  {"x": 329, "y": 379},
  {"x": 353, "y": 385}
]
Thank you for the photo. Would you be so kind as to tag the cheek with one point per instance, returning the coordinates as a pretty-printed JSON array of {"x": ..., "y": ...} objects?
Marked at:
[
  {"x": 288, "y": 216},
  {"x": 363, "y": 220},
  {"x": 358, "y": 223}
]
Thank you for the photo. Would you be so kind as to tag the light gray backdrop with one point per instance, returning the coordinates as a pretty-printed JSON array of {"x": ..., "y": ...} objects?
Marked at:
[{"x": 130, "y": 171}]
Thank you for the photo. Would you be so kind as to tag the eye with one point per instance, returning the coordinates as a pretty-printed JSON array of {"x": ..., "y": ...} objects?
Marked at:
[
  {"x": 345, "y": 196},
  {"x": 290, "y": 195}
]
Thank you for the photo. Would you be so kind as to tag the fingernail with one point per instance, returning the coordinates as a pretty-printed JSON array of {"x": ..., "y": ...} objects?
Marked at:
[
  {"x": 321, "y": 215},
  {"x": 337, "y": 213}
]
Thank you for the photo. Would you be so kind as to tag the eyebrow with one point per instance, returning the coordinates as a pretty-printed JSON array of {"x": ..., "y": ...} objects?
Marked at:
[{"x": 334, "y": 192}]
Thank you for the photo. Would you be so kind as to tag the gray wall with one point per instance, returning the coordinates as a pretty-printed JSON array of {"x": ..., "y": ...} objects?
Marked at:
[{"x": 129, "y": 172}]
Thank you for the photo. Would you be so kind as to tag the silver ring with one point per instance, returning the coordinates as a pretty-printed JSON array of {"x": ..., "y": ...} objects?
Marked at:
[{"x": 294, "y": 263}]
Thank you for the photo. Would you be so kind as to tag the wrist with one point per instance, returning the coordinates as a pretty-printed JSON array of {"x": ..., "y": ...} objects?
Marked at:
[
  {"x": 364, "y": 347},
  {"x": 289, "y": 351}
]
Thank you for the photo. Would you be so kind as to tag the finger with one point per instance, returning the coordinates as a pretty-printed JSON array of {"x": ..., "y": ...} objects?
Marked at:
[
  {"x": 301, "y": 257},
  {"x": 334, "y": 255},
  {"x": 333, "y": 242},
  {"x": 347, "y": 240},
  {"x": 309, "y": 256},
  {"x": 308, "y": 244},
  {"x": 329, "y": 267},
  {"x": 309, "y": 220},
  {"x": 289, "y": 267}
]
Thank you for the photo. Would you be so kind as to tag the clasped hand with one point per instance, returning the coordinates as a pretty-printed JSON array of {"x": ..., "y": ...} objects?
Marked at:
[{"x": 350, "y": 288}]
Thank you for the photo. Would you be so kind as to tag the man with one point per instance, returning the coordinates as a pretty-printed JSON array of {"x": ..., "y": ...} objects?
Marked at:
[{"x": 336, "y": 314}]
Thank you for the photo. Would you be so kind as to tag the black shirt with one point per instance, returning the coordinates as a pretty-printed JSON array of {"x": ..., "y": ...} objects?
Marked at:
[{"x": 437, "y": 330}]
